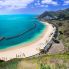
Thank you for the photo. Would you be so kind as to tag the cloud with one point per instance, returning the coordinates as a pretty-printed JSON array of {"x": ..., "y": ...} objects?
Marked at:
[
  {"x": 44, "y": 6},
  {"x": 15, "y": 4},
  {"x": 66, "y": 2},
  {"x": 49, "y": 2}
]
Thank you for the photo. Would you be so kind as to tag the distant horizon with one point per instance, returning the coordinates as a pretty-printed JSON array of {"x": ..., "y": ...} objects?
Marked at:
[{"x": 31, "y": 13}]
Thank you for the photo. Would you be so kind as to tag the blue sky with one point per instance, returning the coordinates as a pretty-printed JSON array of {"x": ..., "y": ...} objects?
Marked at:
[{"x": 31, "y": 6}]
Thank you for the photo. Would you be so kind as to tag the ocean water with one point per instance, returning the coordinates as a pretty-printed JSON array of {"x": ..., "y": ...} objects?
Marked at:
[{"x": 16, "y": 29}]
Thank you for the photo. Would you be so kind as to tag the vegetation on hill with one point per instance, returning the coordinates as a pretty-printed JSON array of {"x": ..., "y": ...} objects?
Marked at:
[{"x": 42, "y": 62}]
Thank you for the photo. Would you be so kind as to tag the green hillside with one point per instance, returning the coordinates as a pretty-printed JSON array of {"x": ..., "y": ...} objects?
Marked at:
[{"x": 42, "y": 62}]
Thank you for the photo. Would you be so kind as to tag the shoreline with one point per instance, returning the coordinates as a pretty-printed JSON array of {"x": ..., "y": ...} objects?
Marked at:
[
  {"x": 28, "y": 43},
  {"x": 28, "y": 49}
]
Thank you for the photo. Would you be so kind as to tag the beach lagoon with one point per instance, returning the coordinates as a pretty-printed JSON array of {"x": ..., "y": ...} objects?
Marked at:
[{"x": 16, "y": 29}]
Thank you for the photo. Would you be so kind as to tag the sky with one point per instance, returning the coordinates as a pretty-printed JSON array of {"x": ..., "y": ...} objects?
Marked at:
[{"x": 31, "y": 6}]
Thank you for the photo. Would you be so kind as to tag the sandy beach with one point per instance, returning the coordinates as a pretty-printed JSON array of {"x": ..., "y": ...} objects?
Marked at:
[{"x": 31, "y": 48}]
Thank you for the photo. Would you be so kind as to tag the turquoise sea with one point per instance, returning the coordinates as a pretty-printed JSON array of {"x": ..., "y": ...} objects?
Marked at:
[{"x": 16, "y": 29}]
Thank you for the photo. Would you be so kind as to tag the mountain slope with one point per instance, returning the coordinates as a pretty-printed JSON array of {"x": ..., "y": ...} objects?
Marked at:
[{"x": 61, "y": 14}]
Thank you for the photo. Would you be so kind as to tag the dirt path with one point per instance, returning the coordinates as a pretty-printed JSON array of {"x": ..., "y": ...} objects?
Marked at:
[{"x": 57, "y": 48}]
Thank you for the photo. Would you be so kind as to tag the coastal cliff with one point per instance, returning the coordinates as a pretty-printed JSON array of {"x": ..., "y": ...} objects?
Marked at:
[{"x": 61, "y": 19}]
